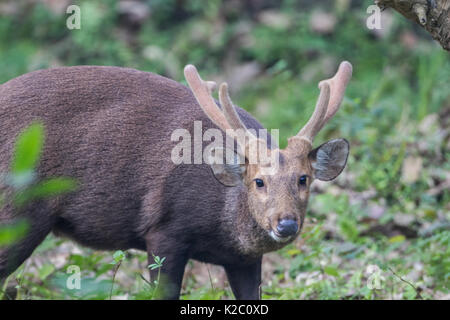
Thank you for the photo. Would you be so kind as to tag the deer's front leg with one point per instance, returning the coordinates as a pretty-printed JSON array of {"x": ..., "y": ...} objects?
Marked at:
[
  {"x": 169, "y": 274},
  {"x": 245, "y": 279}
]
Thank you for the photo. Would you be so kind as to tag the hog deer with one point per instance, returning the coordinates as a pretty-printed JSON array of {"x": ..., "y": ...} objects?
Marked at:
[{"x": 110, "y": 129}]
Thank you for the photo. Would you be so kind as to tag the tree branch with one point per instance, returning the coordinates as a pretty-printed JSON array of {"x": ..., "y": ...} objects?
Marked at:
[{"x": 432, "y": 15}]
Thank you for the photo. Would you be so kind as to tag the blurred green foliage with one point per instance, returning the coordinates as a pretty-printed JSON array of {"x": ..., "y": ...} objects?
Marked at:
[
  {"x": 22, "y": 179},
  {"x": 26, "y": 187},
  {"x": 396, "y": 108}
]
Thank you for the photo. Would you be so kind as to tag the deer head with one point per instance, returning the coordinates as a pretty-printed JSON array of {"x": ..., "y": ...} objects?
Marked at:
[{"x": 277, "y": 201}]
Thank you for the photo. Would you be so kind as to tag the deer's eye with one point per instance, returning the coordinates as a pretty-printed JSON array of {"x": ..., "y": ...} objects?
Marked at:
[
  {"x": 302, "y": 180},
  {"x": 259, "y": 183}
]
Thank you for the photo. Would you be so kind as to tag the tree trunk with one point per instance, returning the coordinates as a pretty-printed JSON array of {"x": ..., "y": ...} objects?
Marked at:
[{"x": 432, "y": 15}]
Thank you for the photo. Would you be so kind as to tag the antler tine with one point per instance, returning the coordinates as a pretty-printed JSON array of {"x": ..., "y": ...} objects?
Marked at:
[
  {"x": 228, "y": 108},
  {"x": 331, "y": 94},
  {"x": 313, "y": 125},
  {"x": 229, "y": 118},
  {"x": 338, "y": 84},
  {"x": 235, "y": 121},
  {"x": 202, "y": 92}
]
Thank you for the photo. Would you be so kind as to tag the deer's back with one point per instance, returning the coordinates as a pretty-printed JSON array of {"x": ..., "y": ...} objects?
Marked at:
[{"x": 110, "y": 129}]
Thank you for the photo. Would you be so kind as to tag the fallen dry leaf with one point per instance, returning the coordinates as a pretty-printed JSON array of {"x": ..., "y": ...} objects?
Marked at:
[
  {"x": 322, "y": 22},
  {"x": 411, "y": 169}
]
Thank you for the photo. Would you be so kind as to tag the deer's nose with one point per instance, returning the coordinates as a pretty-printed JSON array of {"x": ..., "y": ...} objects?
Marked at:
[{"x": 287, "y": 227}]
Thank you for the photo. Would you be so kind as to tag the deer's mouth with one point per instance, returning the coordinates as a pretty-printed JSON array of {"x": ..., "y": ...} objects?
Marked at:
[
  {"x": 278, "y": 238},
  {"x": 285, "y": 230}
]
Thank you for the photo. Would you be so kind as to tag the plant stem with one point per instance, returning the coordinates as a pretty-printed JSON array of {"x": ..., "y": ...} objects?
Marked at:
[{"x": 114, "y": 277}]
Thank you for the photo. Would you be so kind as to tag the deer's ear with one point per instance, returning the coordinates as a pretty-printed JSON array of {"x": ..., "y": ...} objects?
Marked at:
[
  {"x": 227, "y": 166},
  {"x": 329, "y": 159}
]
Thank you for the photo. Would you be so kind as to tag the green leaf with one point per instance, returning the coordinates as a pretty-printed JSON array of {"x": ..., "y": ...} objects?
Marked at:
[
  {"x": 348, "y": 228},
  {"x": 45, "y": 271},
  {"x": 27, "y": 149},
  {"x": 46, "y": 188},
  {"x": 118, "y": 256},
  {"x": 12, "y": 233},
  {"x": 332, "y": 271},
  {"x": 293, "y": 252},
  {"x": 398, "y": 238}
]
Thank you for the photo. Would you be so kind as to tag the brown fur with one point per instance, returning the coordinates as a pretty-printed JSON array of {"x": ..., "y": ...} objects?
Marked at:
[{"x": 110, "y": 128}]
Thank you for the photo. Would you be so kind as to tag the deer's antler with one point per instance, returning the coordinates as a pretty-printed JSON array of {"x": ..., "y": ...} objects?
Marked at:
[
  {"x": 331, "y": 94},
  {"x": 228, "y": 119}
]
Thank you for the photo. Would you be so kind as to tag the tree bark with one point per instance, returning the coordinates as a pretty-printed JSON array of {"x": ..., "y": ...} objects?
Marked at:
[{"x": 432, "y": 15}]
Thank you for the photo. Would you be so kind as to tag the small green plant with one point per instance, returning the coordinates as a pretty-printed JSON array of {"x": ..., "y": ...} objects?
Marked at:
[
  {"x": 118, "y": 257},
  {"x": 153, "y": 266}
]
